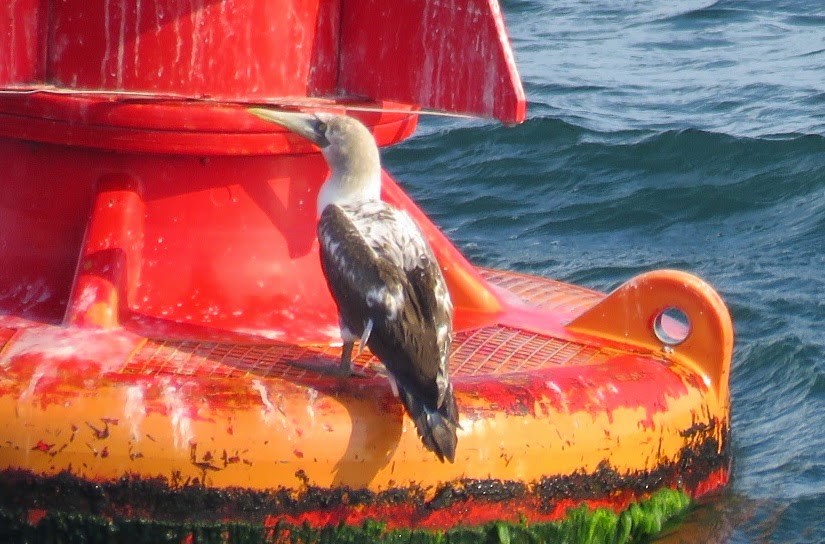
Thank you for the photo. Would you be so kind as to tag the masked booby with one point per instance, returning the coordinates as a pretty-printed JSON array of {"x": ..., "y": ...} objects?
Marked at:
[{"x": 383, "y": 276}]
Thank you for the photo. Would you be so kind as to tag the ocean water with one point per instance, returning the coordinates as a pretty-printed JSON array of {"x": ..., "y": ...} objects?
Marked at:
[{"x": 685, "y": 134}]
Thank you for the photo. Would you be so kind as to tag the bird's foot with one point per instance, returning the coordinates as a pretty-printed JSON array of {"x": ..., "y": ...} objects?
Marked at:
[{"x": 354, "y": 372}]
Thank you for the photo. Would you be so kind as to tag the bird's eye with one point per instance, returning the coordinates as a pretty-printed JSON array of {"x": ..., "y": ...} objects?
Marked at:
[{"x": 320, "y": 126}]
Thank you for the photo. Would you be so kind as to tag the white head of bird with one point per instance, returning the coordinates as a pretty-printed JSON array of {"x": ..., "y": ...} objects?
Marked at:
[{"x": 348, "y": 147}]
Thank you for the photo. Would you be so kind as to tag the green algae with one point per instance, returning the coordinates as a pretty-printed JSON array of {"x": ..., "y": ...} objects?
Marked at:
[{"x": 639, "y": 522}]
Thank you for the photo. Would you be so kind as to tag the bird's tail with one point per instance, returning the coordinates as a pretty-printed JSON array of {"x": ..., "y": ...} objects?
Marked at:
[{"x": 436, "y": 427}]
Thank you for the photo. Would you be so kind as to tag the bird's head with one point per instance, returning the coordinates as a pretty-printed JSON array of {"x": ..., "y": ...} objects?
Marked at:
[{"x": 348, "y": 147}]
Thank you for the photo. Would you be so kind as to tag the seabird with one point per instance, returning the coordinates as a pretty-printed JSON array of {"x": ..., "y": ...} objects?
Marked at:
[{"x": 383, "y": 276}]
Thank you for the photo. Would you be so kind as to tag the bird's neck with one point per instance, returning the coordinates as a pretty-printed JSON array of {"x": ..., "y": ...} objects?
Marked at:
[{"x": 348, "y": 189}]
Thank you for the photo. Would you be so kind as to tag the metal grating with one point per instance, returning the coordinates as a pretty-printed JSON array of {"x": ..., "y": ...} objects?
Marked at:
[
  {"x": 236, "y": 360},
  {"x": 566, "y": 300},
  {"x": 502, "y": 350},
  {"x": 484, "y": 351}
]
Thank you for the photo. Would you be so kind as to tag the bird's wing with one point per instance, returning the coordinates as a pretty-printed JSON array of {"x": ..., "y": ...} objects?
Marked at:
[
  {"x": 351, "y": 270},
  {"x": 378, "y": 265}
]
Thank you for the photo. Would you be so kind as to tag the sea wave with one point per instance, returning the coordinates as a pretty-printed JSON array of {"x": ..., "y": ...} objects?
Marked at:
[{"x": 549, "y": 175}]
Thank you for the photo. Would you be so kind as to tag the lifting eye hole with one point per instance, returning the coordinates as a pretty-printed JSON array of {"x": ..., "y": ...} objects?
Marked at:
[{"x": 671, "y": 326}]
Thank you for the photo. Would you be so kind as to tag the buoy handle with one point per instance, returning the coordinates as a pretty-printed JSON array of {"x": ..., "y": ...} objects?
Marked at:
[{"x": 673, "y": 313}]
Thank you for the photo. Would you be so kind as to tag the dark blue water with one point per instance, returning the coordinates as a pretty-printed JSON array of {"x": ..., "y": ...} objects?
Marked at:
[{"x": 683, "y": 134}]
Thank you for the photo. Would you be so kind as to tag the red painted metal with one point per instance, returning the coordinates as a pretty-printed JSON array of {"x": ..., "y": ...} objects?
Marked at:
[
  {"x": 179, "y": 245},
  {"x": 268, "y": 50},
  {"x": 470, "y": 512},
  {"x": 210, "y": 181},
  {"x": 226, "y": 50},
  {"x": 124, "y": 124},
  {"x": 23, "y": 32},
  {"x": 446, "y": 48}
]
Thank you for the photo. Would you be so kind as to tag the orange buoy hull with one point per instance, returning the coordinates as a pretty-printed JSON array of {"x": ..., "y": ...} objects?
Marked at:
[
  {"x": 163, "y": 313},
  {"x": 547, "y": 423}
]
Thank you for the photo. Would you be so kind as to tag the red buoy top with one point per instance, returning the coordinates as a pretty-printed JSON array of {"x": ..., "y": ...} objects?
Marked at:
[
  {"x": 139, "y": 192},
  {"x": 452, "y": 56}
]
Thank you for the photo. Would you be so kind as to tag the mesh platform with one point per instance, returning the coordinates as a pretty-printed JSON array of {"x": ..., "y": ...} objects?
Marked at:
[
  {"x": 565, "y": 300},
  {"x": 484, "y": 351}
]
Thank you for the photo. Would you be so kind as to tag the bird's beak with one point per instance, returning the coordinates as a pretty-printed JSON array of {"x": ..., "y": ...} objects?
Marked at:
[{"x": 307, "y": 125}]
